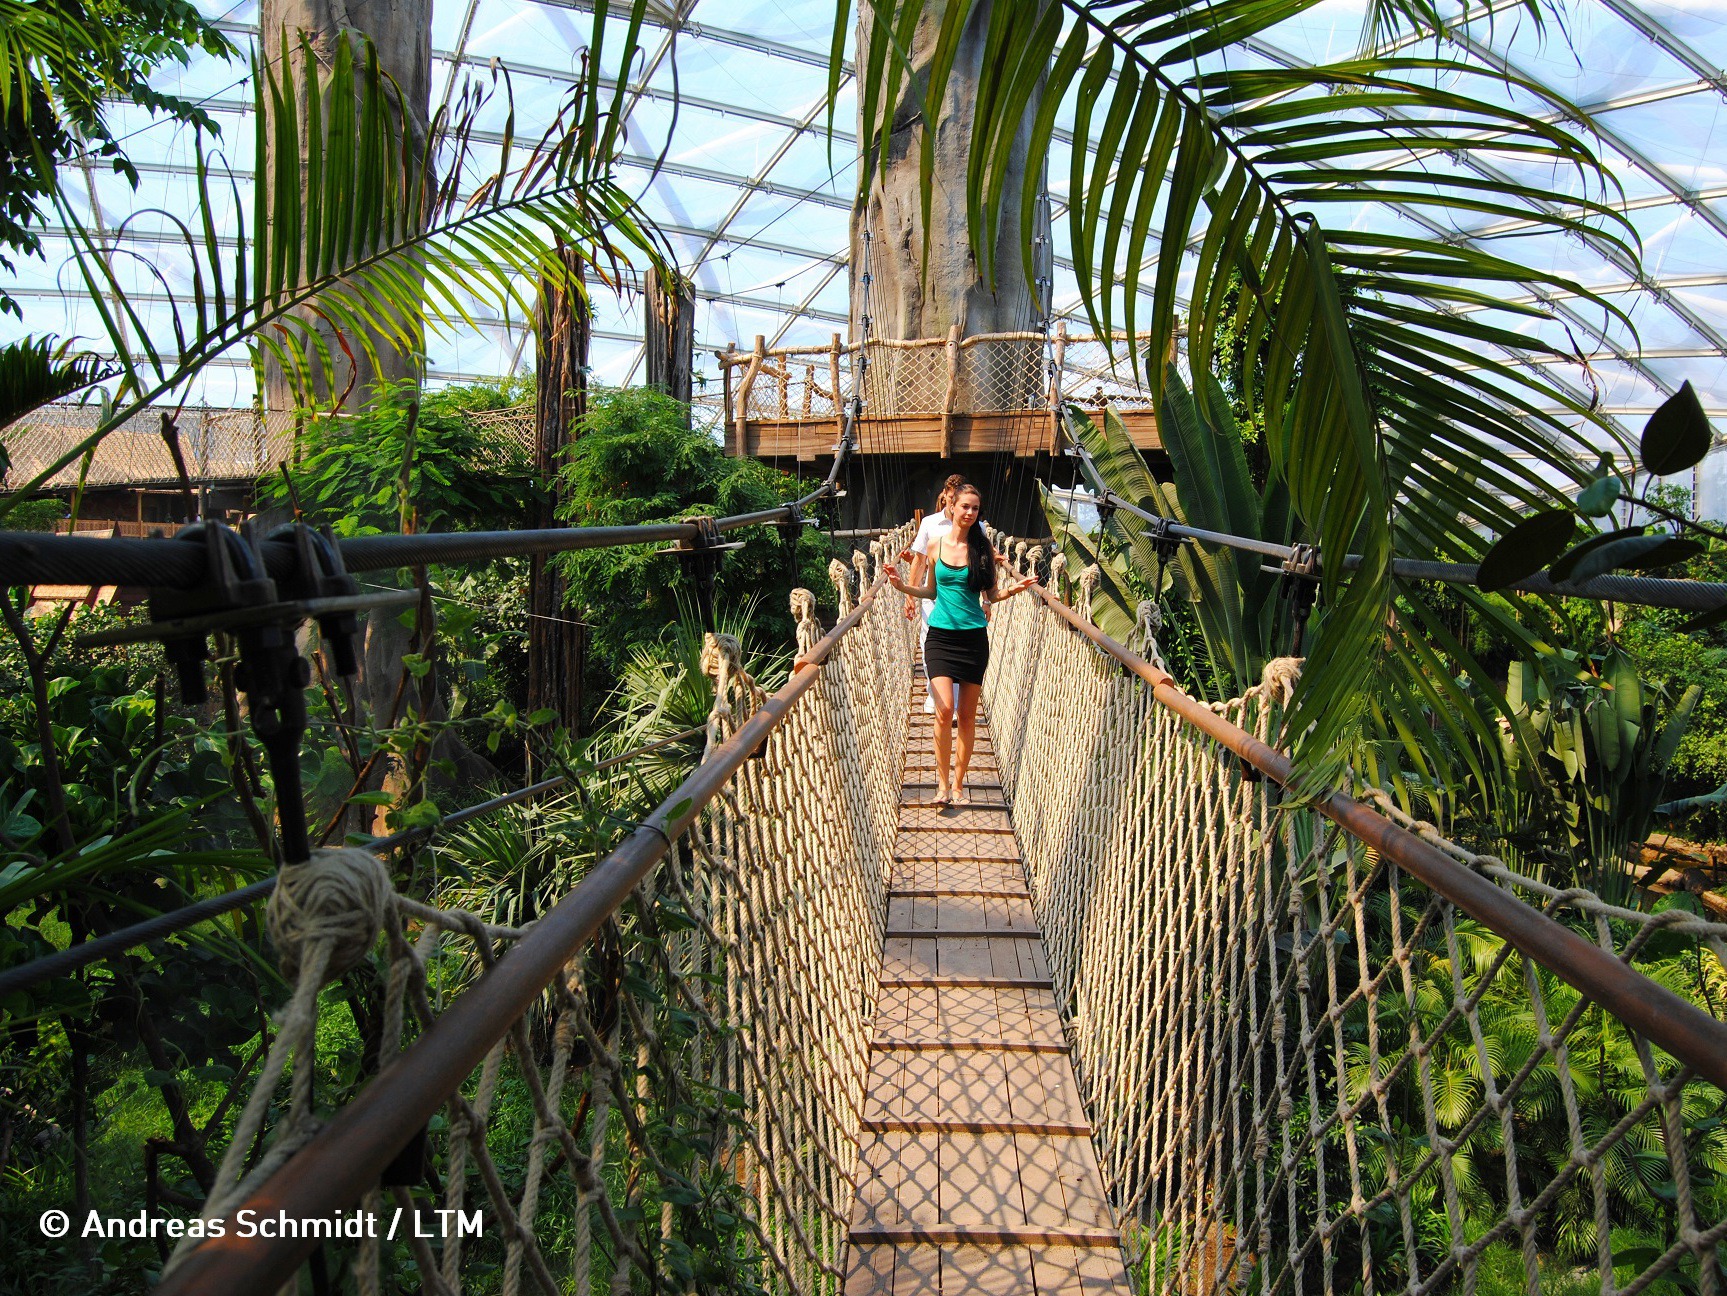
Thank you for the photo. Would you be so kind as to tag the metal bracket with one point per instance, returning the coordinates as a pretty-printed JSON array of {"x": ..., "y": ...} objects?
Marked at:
[
  {"x": 701, "y": 561},
  {"x": 1162, "y": 535},
  {"x": 1301, "y": 587},
  {"x": 239, "y": 598}
]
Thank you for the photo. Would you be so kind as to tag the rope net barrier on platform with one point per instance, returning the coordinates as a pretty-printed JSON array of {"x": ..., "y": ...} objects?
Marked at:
[
  {"x": 985, "y": 373},
  {"x": 692, "y": 1057},
  {"x": 1308, "y": 1072}
]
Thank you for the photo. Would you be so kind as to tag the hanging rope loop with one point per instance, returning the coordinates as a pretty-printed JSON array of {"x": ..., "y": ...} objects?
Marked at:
[{"x": 1089, "y": 575}]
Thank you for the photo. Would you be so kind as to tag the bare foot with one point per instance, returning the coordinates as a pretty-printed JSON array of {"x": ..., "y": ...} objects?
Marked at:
[{"x": 941, "y": 795}]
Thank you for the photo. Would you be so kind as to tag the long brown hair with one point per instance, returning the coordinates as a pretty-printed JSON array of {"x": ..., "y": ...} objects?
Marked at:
[{"x": 980, "y": 556}]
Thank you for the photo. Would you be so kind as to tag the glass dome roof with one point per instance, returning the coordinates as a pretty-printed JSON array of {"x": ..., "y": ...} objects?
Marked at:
[{"x": 755, "y": 199}]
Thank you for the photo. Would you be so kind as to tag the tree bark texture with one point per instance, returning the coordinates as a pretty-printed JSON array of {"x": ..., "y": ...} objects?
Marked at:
[
  {"x": 669, "y": 334},
  {"x": 400, "y": 30},
  {"x": 556, "y": 643},
  {"x": 906, "y": 299}
]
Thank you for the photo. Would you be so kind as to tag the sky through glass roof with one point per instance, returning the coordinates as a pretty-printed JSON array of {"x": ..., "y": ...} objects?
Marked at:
[{"x": 754, "y": 199}]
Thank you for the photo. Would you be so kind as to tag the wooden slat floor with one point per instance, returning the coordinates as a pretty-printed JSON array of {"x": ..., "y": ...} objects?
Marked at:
[{"x": 977, "y": 1175}]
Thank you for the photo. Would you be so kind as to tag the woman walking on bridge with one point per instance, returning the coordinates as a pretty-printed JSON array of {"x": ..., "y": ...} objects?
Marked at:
[{"x": 956, "y": 651}]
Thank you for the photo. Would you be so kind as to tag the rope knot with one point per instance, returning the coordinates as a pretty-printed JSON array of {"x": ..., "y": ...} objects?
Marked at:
[
  {"x": 723, "y": 660},
  {"x": 860, "y": 560},
  {"x": 804, "y": 613},
  {"x": 1019, "y": 548},
  {"x": 840, "y": 575},
  {"x": 1280, "y": 677},
  {"x": 1148, "y": 620},
  {"x": 341, "y": 896},
  {"x": 1089, "y": 575}
]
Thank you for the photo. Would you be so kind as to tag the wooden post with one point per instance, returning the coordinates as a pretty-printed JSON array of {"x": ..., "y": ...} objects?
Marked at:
[
  {"x": 809, "y": 387},
  {"x": 556, "y": 642},
  {"x": 952, "y": 392},
  {"x": 785, "y": 375},
  {"x": 726, "y": 361},
  {"x": 834, "y": 376},
  {"x": 757, "y": 357},
  {"x": 1059, "y": 356},
  {"x": 668, "y": 333}
]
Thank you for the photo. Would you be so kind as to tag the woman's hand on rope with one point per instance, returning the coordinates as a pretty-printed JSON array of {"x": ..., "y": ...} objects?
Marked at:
[{"x": 997, "y": 596}]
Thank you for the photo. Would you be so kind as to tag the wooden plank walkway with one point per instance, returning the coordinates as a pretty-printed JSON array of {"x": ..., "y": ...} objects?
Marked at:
[{"x": 977, "y": 1174}]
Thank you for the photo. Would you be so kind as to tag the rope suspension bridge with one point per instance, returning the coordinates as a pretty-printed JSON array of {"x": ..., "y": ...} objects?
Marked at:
[{"x": 1132, "y": 1020}]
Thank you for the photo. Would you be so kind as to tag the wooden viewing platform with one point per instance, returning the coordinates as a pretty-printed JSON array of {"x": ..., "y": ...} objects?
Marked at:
[
  {"x": 987, "y": 394},
  {"x": 976, "y": 1171}
]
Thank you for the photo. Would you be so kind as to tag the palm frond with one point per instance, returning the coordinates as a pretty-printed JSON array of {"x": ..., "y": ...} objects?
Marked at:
[
  {"x": 1391, "y": 431},
  {"x": 34, "y": 371},
  {"x": 375, "y": 231}
]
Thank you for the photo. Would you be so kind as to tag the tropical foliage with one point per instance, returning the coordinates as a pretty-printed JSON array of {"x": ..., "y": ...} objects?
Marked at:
[
  {"x": 637, "y": 460},
  {"x": 1386, "y": 419},
  {"x": 63, "y": 63},
  {"x": 364, "y": 234}
]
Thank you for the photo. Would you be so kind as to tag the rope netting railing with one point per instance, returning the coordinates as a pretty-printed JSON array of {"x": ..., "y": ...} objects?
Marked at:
[
  {"x": 688, "y": 1026},
  {"x": 1309, "y": 1069},
  {"x": 985, "y": 374},
  {"x": 216, "y": 445}
]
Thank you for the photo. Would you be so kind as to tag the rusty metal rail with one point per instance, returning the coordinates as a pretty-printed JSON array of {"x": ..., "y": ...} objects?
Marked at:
[
  {"x": 344, "y": 1160},
  {"x": 1650, "y": 1009}
]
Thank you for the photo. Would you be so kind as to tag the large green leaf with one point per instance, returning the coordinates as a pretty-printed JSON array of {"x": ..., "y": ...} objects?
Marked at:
[{"x": 1398, "y": 419}]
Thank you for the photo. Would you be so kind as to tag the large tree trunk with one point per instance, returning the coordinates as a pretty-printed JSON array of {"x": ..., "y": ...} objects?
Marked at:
[
  {"x": 555, "y": 641},
  {"x": 905, "y": 298},
  {"x": 669, "y": 334},
  {"x": 400, "y": 30}
]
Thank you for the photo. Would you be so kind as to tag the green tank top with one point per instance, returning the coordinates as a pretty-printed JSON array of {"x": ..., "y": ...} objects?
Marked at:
[{"x": 956, "y": 605}]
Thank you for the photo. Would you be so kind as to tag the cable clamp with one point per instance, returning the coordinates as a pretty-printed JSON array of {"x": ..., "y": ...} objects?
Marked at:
[{"x": 1161, "y": 533}]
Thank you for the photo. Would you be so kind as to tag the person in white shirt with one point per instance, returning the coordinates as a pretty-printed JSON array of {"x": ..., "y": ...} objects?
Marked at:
[{"x": 935, "y": 526}]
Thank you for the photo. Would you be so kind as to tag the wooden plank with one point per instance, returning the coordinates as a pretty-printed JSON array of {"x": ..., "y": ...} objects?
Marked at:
[
  {"x": 960, "y": 1125},
  {"x": 985, "y": 1234},
  {"x": 871, "y": 1270},
  {"x": 917, "y": 1271},
  {"x": 980, "y": 1180},
  {"x": 1015, "y": 432},
  {"x": 904, "y": 1044},
  {"x": 971, "y": 1269}
]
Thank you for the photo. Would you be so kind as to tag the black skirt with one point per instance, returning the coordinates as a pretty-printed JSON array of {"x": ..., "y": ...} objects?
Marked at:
[{"x": 959, "y": 655}]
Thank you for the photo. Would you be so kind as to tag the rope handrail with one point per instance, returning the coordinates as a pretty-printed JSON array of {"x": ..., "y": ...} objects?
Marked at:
[
  {"x": 1320, "y": 1046},
  {"x": 341, "y": 1162},
  {"x": 1650, "y": 1009}
]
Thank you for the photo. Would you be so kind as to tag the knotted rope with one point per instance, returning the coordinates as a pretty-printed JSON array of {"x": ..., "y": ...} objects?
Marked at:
[
  {"x": 1058, "y": 575},
  {"x": 840, "y": 575},
  {"x": 1148, "y": 620},
  {"x": 804, "y": 613},
  {"x": 1278, "y": 680},
  {"x": 323, "y": 918},
  {"x": 1089, "y": 575},
  {"x": 722, "y": 660}
]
